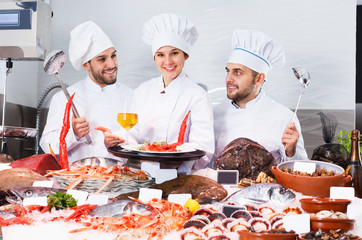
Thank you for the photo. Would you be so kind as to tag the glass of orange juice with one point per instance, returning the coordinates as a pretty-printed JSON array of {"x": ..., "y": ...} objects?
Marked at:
[{"x": 127, "y": 121}]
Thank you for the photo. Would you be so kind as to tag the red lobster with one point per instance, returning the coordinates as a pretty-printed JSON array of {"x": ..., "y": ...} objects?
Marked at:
[{"x": 154, "y": 147}]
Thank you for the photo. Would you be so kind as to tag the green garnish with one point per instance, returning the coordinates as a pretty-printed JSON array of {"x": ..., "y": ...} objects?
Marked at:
[{"x": 61, "y": 200}]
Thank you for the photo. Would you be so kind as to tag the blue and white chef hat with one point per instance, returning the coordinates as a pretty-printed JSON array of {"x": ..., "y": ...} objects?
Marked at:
[
  {"x": 87, "y": 40},
  {"x": 256, "y": 50},
  {"x": 169, "y": 29}
]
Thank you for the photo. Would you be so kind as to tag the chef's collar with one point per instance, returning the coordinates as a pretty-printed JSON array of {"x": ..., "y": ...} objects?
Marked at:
[
  {"x": 252, "y": 102},
  {"x": 96, "y": 88},
  {"x": 235, "y": 104},
  {"x": 174, "y": 85}
]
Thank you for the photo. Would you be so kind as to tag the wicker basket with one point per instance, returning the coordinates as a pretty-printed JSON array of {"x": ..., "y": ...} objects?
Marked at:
[
  {"x": 116, "y": 186},
  {"x": 91, "y": 185}
]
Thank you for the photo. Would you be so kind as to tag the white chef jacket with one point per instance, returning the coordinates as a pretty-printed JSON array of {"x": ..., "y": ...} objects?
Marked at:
[
  {"x": 262, "y": 120},
  {"x": 98, "y": 105},
  {"x": 161, "y": 111}
]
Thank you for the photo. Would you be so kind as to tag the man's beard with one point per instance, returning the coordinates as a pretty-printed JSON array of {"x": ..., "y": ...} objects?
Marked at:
[
  {"x": 239, "y": 96},
  {"x": 99, "y": 78}
]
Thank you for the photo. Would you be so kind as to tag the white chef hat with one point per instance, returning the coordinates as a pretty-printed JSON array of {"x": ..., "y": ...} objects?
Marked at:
[
  {"x": 86, "y": 41},
  {"x": 256, "y": 50},
  {"x": 168, "y": 29}
]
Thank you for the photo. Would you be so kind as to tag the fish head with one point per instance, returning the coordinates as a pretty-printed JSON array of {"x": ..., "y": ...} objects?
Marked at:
[
  {"x": 16, "y": 195},
  {"x": 27, "y": 192},
  {"x": 24, "y": 192},
  {"x": 280, "y": 196}
]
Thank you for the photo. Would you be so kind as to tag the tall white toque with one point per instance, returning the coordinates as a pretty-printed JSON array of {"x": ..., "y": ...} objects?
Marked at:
[
  {"x": 87, "y": 40},
  {"x": 169, "y": 29},
  {"x": 256, "y": 50}
]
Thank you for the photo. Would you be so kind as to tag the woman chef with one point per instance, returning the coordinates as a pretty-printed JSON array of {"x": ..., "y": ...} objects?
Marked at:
[{"x": 163, "y": 102}]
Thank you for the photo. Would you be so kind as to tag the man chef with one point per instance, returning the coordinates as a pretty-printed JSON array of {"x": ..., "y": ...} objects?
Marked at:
[
  {"x": 98, "y": 98},
  {"x": 251, "y": 113}
]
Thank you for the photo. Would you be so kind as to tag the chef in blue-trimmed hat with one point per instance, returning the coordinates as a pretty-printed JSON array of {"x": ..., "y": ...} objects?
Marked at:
[{"x": 249, "y": 112}]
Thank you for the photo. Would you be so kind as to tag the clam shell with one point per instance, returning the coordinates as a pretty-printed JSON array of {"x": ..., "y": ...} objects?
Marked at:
[
  {"x": 292, "y": 211},
  {"x": 277, "y": 224},
  {"x": 259, "y": 224},
  {"x": 238, "y": 225},
  {"x": 191, "y": 233},
  {"x": 251, "y": 207},
  {"x": 217, "y": 216},
  {"x": 226, "y": 221},
  {"x": 275, "y": 219},
  {"x": 256, "y": 214},
  {"x": 219, "y": 237},
  {"x": 198, "y": 224},
  {"x": 213, "y": 230},
  {"x": 203, "y": 211},
  {"x": 281, "y": 214},
  {"x": 266, "y": 211},
  {"x": 203, "y": 218},
  {"x": 242, "y": 214}
]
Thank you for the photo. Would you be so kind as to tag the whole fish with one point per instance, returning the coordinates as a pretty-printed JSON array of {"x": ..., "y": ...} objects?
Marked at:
[
  {"x": 273, "y": 193},
  {"x": 19, "y": 177},
  {"x": 120, "y": 207},
  {"x": 26, "y": 192},
  {"x": 7, "y": 214},
  {"x": 202, "y": 189}
]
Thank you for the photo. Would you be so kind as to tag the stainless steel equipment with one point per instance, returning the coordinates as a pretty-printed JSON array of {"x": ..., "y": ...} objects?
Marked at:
[
  {"x": 303, "y": 78},
  {"x": 25, "y": 35},
  {"x": 24, "y": 30},
  {"x": 52, "y": 64}
]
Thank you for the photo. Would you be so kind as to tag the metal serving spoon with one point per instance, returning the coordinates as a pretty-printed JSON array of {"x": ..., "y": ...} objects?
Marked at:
[
  {"x": 303, "y": 78},
  {"x": 52, "y": 64}
]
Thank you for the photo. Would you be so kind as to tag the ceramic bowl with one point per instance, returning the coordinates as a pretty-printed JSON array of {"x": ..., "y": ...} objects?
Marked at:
[
  {"x": 314, "y": 205},
  {"x": 267, "y": 236},
  {"x": 326, "y": 224},
  {"x": 311, "y": 186}
]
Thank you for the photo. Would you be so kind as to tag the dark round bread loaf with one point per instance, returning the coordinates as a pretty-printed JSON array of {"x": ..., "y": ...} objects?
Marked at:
[{"x": 246, "y": 156}]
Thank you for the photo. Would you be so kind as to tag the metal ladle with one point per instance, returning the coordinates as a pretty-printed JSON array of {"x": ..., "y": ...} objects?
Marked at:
[
  {"x": 52, "y": 64},
  {"x": 304, "y": 78}
]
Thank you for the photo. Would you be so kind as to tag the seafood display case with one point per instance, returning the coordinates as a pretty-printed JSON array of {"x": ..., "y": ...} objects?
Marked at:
[{"x": 17, "y": 132}]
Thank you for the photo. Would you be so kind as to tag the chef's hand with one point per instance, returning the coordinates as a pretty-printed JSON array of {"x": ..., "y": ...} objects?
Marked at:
[
  {"x": 290, "y": 139},
  {"x": 80, "y": 126},
  {"x": 110, "y": 139}
]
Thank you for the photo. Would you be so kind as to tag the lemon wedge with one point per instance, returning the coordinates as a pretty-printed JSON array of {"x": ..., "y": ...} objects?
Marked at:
[{"x": 192, "y": 205}]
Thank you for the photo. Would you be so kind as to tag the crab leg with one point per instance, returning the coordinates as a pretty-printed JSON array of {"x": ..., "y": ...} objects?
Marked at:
[
  {"x": 75, "y": 182},
  {"x": 105, "y": 184}
]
